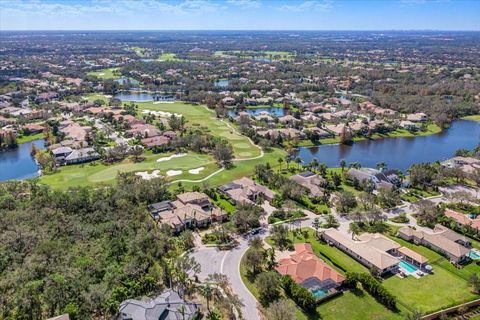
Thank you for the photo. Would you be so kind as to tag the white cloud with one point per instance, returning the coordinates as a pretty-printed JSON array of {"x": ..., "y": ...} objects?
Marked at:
[
  {"x": 246, "y": 4},
  {"x": 325, "y": 5}
]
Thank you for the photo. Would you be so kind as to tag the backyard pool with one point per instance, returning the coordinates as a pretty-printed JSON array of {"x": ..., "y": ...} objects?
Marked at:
[
  {"x": 407, "y": 266},
  {"x": 319, "y": 293},
  {"x": 474, "y": 254}
]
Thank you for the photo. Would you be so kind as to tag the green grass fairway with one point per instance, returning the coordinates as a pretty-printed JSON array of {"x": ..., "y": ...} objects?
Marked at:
[
  {"x": 474, "y": 118},
  {"x": 168, "y": 57},
  {"x": 28, "y": 138},
  {"x": 87, "y": 174},
  {"x": 273, "y": 55},
  {"x": 105, "y": 73},
  {"x": 201, "y": 117}
]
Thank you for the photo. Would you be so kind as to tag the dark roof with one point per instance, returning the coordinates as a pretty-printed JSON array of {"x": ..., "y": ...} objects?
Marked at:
[
  {"x": 160, "y": 206},
  {"x": 229, "y": 186},
  {"x": 306, "y": 174}
]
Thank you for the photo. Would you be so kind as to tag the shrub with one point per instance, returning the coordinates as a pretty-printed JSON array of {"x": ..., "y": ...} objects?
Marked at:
[{"x": 302, "y": 297}]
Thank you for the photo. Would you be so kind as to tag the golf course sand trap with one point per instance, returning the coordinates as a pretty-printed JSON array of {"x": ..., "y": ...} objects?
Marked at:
[
  {"x": 177, "y": 155},
  {"x": 161, "y": 114},
  {"x": 158, "y": 102},
  {"x": 101, "y": 74},
  {"x": 147, "y": 176},
  {"x": 196, "y": 171},
  {"x": 172, "y": 173}
]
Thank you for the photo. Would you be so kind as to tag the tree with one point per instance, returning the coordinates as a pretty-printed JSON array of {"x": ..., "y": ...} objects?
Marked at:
[
  {"x": 346, "y": 201},
  {"x": 136, "y": 152},
  {"x": 247, "y": 216},
  {"x": 281, "y": 309},
  {"x": 354, "y": 229},
  {"x": 268, "y": 286},
  {"x": 381, "y": 166},
  {"x": 280, "y": 161},
  {"x": 253, "y": 260},
  {"x": 316, "y": 225},
  {"x": 474, "y": 282},
  {"x": 389, "y": 197},
  {"x": 223, "y": 153},
  {"x": 343, "y": 164},
  {"x": 280, "y": 236},
  {"x": 207, "y": 293}
]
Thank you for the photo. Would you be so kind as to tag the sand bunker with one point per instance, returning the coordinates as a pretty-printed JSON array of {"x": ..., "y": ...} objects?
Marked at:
[
  {"x": 177, "y": 155},
  {"x": 147, "y": 176},
  {"x": 101, "y": 74},
  {"x": 196, "y": 171},
  {"x": 161, "y": 114},
  {"x": 172, "y": 173},
  {"x": 158, "y": 102}
]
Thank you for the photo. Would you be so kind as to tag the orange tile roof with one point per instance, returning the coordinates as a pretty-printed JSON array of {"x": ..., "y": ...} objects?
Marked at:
[{"x": 304, "y": 264}]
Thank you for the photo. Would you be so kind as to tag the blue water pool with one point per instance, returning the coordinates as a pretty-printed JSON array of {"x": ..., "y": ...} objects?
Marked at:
[
  {"x": 474, "y": 254},
  {"x": 319, "y": 293},
  {"x": 407, "y": 266}
]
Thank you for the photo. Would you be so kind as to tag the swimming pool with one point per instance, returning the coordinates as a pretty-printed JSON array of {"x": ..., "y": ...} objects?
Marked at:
[
  {"x": 474, "y": 254},
  {"x": 319, "y": 293},
  {"x": 407, "y": 266}
]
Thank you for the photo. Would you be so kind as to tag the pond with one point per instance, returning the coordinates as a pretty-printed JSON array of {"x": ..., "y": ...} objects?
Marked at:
[
  {"x": 134, "y": 96},
  {"x": 222, "y": 83},
  {"x": 398, "y": 153},
  {"x": 18, "y": 163},
  {"x": 273, "y": 111}
]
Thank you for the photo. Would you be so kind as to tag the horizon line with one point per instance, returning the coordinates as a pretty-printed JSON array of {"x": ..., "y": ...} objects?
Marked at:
[{"x": 222, "y": 30}]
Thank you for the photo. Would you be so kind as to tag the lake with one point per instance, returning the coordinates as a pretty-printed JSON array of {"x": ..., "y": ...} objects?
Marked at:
[
  {"x": 134, "y": 96},
  {"x": 279, "y": 112},
  {"x": 399, "y": 153},
  {"x": 18, "y": 163},
  {"x": 223, "y": 83}
]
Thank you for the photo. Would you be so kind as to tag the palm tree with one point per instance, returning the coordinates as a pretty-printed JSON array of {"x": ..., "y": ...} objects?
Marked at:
[
  {"x": 343, "y": 164},
  {"x": 207, "y": 293},
  {"x": 314, "y": 164},
  {"x": 354, "y": 229},
  {"x": 381, "y": 165},
  {"x": 280, "y": 161},
  {"x": 316, "y": 225},
  {"x": 298, "y": 160},
  {"x": 288, "y": 159}
]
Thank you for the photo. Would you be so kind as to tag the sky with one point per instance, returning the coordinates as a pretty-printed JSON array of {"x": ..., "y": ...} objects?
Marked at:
[{"x": 239, "y": 15}]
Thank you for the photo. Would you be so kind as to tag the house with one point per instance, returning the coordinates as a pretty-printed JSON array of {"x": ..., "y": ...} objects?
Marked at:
[
  {"x": 409, "y": 125},
  {"x": 373, "y": 251},
  {"x": 288, "y": 133},
  {"x": 463, "y": 219},
  {"x": 81, "y": 156},
  {"x": 167, "y": 306},
  {"x": 143, "y": 130},
  {"x": 76, "y": 132},
  {"x": 156, "y": 141},
  {"x": 311, "y": 181},
  {"x": 377, "y": 178},
  {"x": 288, "y": 119},
  {"x": 34, "y": 128},
  {"x": 190, "y": 210},
  {"x": 245, "y": 190},
  {"x": 442, "y": 240},
  {"x": 417, "y": 117},
  {"x": 309, "y": 271},
  {"x": 60, "y": 153}
]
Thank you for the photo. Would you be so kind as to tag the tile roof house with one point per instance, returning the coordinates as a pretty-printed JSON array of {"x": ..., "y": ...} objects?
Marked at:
[
  {"x": 310, "y": 271},
  {"x": 313, "y": 182},
  {"x": 245, "y": 190},
  {"x": 442, "y": 240},
  {"x": 167, "y": 306},
  {"x": 81, "y": 156},
  {"x": 191, "y": 209},
  {"x": 373, "y": 250},
  {"x": 463, "y": 219}
]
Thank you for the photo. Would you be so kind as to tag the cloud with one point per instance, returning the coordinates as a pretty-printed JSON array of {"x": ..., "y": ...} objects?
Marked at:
[
  {"x": 325, "y": 5},
  {"x": 246, "y": 4},
  {"x": 410, "y": 3},
  {"x": 120, "y": 7}
]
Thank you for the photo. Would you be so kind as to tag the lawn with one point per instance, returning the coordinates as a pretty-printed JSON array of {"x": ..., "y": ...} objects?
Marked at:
[
  {"x": 200, "y": 117},
  {"x": 448, "y": 285},
  {"x": 474, "y": 118},
  {"x": 105, "y": 73},
  {"x": 28, "y": 138},
  {"x": 168, "y": 57},
  {"x": 87, "y": 174}
]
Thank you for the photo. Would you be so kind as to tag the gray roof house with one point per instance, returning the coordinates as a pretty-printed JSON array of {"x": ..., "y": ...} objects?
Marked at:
[
  {"x": 82, "y": 155},
  {"x": 167, "y": 306}
]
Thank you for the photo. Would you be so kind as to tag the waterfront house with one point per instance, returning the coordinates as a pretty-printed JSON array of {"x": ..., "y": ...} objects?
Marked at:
[
  {"x": 463, "y": 219},
  {"x": 167, "y": 306},
  {"x": 81, "y": 156}
]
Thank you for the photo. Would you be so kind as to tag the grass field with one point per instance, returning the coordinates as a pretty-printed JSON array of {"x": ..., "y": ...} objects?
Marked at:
[
  {"x": 105, "y": 73},
  {"x": 168, "y": 57},
  {"x": 201, "y": 117},
  {"x": 474, "y": 118},
  {"x": 273, "y": 55},
  {"x": 23, "y": 139},
  {"x": 87, "y": 174}
]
